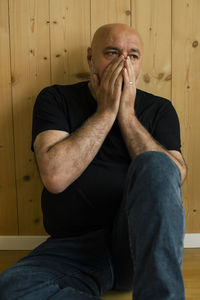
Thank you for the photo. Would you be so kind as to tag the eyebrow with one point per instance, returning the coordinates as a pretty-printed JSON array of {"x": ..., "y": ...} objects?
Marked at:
[{"x": 116, "y": 48}]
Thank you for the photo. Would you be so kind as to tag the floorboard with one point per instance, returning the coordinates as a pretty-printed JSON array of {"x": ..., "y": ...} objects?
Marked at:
[{"x": 191, "y": 273}]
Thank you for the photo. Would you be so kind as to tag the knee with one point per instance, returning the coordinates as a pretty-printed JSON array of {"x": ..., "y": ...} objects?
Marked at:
[
  {"x": 154, "y": 179},
  {"x": 156, "y": 168}
]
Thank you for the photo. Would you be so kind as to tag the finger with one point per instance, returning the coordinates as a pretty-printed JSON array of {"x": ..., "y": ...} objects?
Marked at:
[
  {"x": 115, "y": 74},
  {"x": 126, "y": 78},
  {"x": 111, "y": 68},
  {"x": 118, "y": 85},
  {"x": 119, "y": 81},
  {"x": 127, "y": 65},
  {"x": 130, "y": 69},
  {"x": 128, "y": 82},
  {"x": 95, "y": 80}
]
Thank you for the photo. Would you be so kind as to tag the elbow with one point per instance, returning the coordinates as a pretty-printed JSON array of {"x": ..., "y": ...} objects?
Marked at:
[
  {"x": 54, "y": 184},
  {"x": 53, "y": 179}
]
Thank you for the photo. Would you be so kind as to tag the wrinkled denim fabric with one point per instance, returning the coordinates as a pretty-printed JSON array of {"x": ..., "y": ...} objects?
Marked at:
[{"x": 142, "y": 252}]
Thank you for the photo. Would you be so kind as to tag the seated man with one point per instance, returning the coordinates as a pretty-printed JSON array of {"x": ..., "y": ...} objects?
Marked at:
[{"x": 109, "y": 158}]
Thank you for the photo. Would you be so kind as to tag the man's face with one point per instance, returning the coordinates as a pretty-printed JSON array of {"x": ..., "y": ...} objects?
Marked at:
[{"x": 114, "y": 43}]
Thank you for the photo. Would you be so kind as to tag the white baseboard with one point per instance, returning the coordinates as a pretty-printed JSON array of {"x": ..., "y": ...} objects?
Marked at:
[
  {"x": 24, "y": 242},
  {"x": 192, "y": 240}
]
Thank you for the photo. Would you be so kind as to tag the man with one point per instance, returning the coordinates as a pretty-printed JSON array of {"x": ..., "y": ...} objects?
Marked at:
[{"x": 110, "y": 161}]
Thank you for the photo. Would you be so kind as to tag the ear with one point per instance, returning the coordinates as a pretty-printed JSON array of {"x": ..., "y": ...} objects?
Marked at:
[{"x": 89, "y": 56}]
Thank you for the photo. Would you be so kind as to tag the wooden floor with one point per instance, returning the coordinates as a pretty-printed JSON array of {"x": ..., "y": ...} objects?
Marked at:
[{"x": 191, "y": 273}]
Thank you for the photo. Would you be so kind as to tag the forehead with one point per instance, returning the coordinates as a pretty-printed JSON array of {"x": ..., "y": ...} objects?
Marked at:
[{"x": 122, "y": 39}]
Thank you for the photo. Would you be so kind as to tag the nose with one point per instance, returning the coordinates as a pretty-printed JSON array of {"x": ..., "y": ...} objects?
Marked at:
[{"x": 125, "y": 54}]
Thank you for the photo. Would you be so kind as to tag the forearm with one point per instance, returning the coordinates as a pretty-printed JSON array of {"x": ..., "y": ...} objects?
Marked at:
[
  {"x": 65, "y": 161},
  {"x": 139, "y": 140},
  {"x": 136, "y": 137}
]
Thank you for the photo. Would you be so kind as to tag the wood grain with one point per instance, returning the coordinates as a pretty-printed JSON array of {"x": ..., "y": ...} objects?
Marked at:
[
  {"x": 153, "y": 20},
  {"x": 191, "y": 273},
  {"x": 30, "y": 64},
  {"x": 112, "y": 11},
  {"x": 8, "y": 202},
  {"x": 185, "y": 96},
  {"x": 47, "y": 43},
  {"x": 70, "y": 37}
]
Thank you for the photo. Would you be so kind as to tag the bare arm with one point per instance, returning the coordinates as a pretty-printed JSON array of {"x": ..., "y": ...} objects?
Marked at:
[
  {"x": 138, "y": 140},
  {"x": 136, "y": 137},
  {"x": 61, "y": 157}
]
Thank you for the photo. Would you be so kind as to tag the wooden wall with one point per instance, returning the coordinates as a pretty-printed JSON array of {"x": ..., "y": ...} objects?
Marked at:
[{"x": 44, "y": 42}]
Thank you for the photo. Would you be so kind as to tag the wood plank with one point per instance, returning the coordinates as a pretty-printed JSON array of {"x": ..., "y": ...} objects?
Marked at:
[
  {"x": 112, "y": 11},
  {"x": 70, "y": 37},
  {"x": 10, "y": 257},
  {"x": 185, "y": 95},
  {"x": 191, "y": 273},
  {"x": 8, "y": 203},
  {"x": 117, "y": 295},
  {"x": 153, "y": 21},
  {"x": 30, "y": 57},
  {"x": 30, "y": 64}
]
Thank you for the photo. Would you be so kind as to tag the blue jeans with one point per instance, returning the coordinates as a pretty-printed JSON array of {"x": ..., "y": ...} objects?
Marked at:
[{"x": 142, "y": 251}]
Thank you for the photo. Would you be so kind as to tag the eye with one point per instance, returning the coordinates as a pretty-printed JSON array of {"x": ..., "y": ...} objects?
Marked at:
[
  {"x": 112, "y": 53},
  {"x": 133, "y": 56}
]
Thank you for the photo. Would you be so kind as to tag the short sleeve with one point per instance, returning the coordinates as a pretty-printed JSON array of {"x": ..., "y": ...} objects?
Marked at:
[
  {"x": 167, "y": 129},
  {"x": 49, "y": 113}
]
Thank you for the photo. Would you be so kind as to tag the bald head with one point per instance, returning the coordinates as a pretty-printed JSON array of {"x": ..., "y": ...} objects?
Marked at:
[
  {"x": 111, "y": 41},
  {"x": 105, "y": 32}
]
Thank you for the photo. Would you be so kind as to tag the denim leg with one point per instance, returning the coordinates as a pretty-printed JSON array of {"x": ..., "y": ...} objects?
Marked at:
[
  {"x": 153, "y": 222},
  {"x": 29, "y": 283},
  {"x": 74, "y": 268}
]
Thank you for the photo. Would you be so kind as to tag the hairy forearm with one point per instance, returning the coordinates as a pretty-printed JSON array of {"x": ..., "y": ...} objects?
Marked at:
[
  {"x": 139, "y": 140},
  {"x": 136, "y": 137},
  {"x": 66, "y": 160}
]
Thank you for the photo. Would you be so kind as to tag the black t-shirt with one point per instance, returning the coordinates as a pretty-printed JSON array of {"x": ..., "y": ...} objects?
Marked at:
[{"x": 91, "y": 201}]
